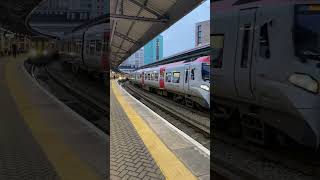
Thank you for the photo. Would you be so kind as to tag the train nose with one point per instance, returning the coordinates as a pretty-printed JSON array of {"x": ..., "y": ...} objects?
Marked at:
[
  {"x": 311, "y": 134},
  {"x": 205, "y": 98}
]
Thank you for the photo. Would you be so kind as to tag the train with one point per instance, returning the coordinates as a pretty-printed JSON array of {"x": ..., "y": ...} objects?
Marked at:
[
  {"x": 186, "y": 81},
  {"x": 86, "y": 49},
  {"x": 265, "y": 69}
]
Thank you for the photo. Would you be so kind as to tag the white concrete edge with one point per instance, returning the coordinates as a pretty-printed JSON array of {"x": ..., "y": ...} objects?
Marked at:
[
  {"x": 67, "y": 108},
  {"x": 192, "y": 141}
]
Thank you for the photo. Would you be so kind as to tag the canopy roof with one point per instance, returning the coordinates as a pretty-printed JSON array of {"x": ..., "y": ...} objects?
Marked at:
[
  {"x": 135, "y": 22},
  {"x": 14, "y": 15}
]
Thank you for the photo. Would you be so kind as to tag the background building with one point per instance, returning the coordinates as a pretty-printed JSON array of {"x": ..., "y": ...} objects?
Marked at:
[
  {"x": 135, "y": 60},
  {"x": 202, "y": 33},
  {"x": 153, "y": 50}
]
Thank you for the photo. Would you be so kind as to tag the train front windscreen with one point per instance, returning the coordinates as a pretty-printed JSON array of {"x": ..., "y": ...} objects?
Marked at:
[{"x": 307, "y": 32}]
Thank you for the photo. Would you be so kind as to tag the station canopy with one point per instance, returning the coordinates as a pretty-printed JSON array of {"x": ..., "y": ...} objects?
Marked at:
[
  {"x": 135, "y": 22},
  {"x": 14, "y": 15}
]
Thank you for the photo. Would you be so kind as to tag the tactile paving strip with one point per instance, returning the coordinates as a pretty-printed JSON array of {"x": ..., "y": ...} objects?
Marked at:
[
  {"x": 129, "y": 157},
  {"x": 21, "y": 157}
]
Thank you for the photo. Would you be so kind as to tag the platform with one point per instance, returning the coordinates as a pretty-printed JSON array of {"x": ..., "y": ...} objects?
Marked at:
[
  {"x": 146, "y": 146},
  {"x": 41, "y": 138}
]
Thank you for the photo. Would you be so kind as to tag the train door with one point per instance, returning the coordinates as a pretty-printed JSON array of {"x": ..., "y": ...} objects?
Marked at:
[
  {"x": 246, "y": 31},
  {"x": 186, "y": 85},
  {"x": 161, "y": 80}
]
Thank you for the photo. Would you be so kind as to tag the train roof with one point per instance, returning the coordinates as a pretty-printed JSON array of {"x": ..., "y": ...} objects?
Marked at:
[
  {"x": 204, "y": 59},
  {"x": 242, "y": 4}
]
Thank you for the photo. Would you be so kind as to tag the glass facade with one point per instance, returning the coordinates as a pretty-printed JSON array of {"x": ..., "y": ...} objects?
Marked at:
[{"x": 153, "y": 50}]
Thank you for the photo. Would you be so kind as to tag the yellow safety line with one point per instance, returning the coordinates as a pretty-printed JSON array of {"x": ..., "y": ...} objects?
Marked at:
[
  {"x": 66, "y": 163},
  {"x": 169, "y": 164}
]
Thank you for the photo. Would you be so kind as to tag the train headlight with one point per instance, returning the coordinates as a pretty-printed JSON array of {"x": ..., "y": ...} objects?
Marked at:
[
  {"x": 305, "y": 81},
  {"x": 205, "y": 87}
]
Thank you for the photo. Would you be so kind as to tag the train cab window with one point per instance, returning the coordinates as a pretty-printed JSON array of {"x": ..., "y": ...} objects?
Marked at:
[
  {"x": 176, "y": 77},
  {"x": 205, "y": 72},
  {"x": 192, "y": 73},
  {"x": 168, "y": 77},
  {"x": 264, "y": 42},
  {"x": 217, "y": 44},
  {"x": 245, "y": 46}
]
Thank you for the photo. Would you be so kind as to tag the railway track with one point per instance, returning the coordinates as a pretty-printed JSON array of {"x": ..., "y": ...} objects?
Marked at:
[
  {"x": 293, "y": 162},
  {"x": 96, "y": 103},
  {"x": 178, "y": 117},
  {"x": 302, "y": 162},
  {"x": 89, "y": 107}
]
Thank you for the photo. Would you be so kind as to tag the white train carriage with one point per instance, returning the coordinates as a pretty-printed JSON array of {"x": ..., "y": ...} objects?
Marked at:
[{"x": 187, "y": 81}]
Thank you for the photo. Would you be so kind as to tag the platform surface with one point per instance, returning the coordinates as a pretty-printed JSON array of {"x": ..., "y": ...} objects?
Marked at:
[
  {"x": 41, "y": 138},
  {"x": 144, "y": 145}
]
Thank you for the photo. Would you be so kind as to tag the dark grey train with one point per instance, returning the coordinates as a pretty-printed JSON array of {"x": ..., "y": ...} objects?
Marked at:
[
  {"x": 86, "y": 49},
  {"x": 266, "y": 69}
]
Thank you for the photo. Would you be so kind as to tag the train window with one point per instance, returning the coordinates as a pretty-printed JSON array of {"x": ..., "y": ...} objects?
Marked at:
[
  {"x": 176, "y": 77},
  {"x": 192, "y": 74},
  {"x": 264, "y": 42},
  {"x": 152, "y": 76},
  {"x": 187, "y": 73},
  {"x": 87, "y": 47},
  {"x": 92, "y": 47},
  {"x": 217, "y": 44},
  {"x": 168, "y": 77},
  {"x": 149, "y": 77},
  {"x": 156, "y": 76},
  {"x": 98, "y": 46},
  {"x": 105, "y": 47},
  {"x": 245, "y": 46}
]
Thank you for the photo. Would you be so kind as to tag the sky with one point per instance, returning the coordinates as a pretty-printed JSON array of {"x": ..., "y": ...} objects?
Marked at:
[{"x": 181, "y": 35}]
